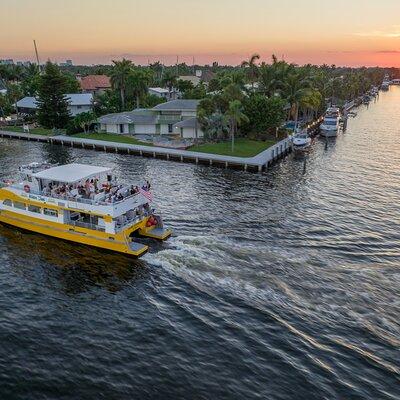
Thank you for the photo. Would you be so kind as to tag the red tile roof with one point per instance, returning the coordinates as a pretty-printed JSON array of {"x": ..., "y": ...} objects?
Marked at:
[{"x": 93, "y": 82}]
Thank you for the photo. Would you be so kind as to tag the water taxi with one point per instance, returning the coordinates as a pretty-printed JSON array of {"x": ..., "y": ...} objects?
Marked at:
[{"x": 83, "y": 204}]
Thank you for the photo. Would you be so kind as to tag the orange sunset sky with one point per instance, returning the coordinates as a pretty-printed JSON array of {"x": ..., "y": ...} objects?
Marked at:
[{"x": 341, "y": 32}]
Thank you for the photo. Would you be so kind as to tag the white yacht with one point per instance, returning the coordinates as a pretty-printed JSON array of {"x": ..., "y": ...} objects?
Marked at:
[
  {"x": 330, "y": 124},
  {"x": 301, "y": 141}
]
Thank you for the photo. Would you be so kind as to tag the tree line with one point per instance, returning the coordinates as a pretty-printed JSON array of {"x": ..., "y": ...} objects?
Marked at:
[{"x": 252, "y": 99}]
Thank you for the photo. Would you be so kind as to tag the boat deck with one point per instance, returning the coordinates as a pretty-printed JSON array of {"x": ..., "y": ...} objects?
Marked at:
[
  {"x": 138, "y": 248},
  {"x": 157, "y": 233}
]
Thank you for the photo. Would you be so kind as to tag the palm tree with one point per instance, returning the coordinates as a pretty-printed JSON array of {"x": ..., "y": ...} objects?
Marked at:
[
  {"x": 234, "y": 117},
  {"x": 119, "y": 77},
  {"x": 295, "y": 88},
  {"x": 169, "y": 80},
  {"x": 215, "y": 126},
  {"x": 138, "y": 83},
  {"x": 270, "y": 83},
  {"x": 311, "y": 102},
  {"x": 252, "y": 68}
]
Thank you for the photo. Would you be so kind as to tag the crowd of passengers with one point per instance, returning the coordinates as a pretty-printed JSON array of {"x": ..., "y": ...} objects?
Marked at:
[{"x": 91, "y": 188}]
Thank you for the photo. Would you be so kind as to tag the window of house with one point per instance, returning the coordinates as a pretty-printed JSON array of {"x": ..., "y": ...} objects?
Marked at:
[
  {"x": 50, "y": 212},
  {"x": 34, "y": 209},
  {"x": 170, "y": 128},
  {"x": 7, "y": 202},
  {"x": 78, "y": 107},
  {"x": 21, "y": 206}
]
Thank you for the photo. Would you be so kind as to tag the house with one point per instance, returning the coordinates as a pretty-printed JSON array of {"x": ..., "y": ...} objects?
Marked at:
[
  {"x": 199, "y": 77},
  {"x": 163, "y": 119},
  {"x": 77, "y": 104},
  {"x": 193, "y": 79},
  {"x": 163, "y": 93},
  {"x": 67, "y": 63},
  {"x": 95, "y": 84}
]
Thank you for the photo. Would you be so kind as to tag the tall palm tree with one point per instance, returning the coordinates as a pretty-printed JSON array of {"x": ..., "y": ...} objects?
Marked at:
[
  {"x": 252, "y": 68},
  {"x": 119, "y": 77},
  {"x": 138, "y": 83},
  {"x": 169, "y": 79},
  {"x": 215, "y": 126},
  {"x": 235, "y": 116},
  {"x": 270, "y": 80},
  {"x": 295, "y": 88}
]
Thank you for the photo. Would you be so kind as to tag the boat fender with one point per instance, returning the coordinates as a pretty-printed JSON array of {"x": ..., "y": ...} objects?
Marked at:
[{"x": 27, "y": 188}]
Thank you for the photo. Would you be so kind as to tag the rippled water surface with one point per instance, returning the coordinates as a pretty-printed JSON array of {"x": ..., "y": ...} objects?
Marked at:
[{"x": 283, "y": 285}]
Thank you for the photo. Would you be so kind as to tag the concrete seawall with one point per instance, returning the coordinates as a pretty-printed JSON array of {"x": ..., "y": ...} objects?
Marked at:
[{"x": 258, "y": 163}]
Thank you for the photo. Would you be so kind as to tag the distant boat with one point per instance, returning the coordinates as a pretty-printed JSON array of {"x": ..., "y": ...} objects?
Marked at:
[
  {"x": 330, "y": 123},
  {"x": 366, "y": 99},
  {"x": 386, "y": 83}
]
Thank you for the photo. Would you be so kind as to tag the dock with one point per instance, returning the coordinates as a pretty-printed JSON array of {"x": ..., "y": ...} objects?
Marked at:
[{"x": 258, "y": 163}]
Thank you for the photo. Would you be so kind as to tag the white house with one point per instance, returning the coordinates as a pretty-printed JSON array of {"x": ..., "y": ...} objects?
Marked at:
[
  {"x": 164, "y": 93},
  {"x": 160, "y": 92},
  {"x": 77, "y": 103},
  {"x": 177, "y": 118}
]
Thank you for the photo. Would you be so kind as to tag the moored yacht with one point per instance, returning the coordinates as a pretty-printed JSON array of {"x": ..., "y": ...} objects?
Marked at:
[
  {"x": 81, "y": 203},
  {"x": 301, "y": 141},
  {"x": 330, "y": 124},
  {"x": 386, "y": 83}
]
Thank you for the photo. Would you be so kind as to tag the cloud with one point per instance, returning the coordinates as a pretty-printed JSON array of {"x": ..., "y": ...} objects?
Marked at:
[
  {"x": 394, "y": 32},
  {"x": 388, "y": 52}
]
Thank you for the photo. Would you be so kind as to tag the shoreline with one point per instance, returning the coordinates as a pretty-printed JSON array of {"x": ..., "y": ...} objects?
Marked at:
[{"x": 258, "y": 163}]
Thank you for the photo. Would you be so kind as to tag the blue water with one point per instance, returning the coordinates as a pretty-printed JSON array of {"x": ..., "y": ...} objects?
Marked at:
[{"x": 283, "y": 285}]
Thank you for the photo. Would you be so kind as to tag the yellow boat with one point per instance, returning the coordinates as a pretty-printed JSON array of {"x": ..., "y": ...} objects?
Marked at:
[{"x": 83, "y": 204}]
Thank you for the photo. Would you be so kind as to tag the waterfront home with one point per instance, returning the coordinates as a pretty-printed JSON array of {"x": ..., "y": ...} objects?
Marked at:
[
  {"x": 95, "y": 84},
  {"x": 175, "y": 118},
  {"x": 77, "y": 104}
]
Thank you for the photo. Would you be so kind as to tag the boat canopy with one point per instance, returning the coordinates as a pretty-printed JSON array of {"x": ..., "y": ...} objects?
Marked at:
[{"x": 71, "y": 173}]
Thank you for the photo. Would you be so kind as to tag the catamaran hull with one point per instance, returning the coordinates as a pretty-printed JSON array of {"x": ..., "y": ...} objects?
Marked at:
[{"x": 71, "y": 234}]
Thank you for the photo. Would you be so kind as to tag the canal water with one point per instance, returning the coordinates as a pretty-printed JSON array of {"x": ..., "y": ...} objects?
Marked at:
[{"x": 282, "y": 285}]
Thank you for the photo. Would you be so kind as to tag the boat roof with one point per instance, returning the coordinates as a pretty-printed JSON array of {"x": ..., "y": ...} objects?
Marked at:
[{"x": 71, "y": 173}]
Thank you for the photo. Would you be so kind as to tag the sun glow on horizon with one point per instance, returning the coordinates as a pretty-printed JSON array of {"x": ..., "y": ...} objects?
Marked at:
[{"x": 226, "y": 31}]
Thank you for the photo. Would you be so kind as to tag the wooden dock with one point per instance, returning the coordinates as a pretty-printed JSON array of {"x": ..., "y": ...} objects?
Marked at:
[{"x": 258, "y": 163}]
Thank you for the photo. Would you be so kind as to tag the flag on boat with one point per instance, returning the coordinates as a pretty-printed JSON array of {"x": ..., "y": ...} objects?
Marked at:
[{"x": 147, "y": 194}]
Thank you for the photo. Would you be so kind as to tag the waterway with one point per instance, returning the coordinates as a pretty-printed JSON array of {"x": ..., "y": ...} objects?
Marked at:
[{"x": 281, "y": 285}]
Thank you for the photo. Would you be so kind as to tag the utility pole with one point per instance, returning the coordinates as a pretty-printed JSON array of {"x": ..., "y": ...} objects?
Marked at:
[
  {"x": 37, "y": 55},
  {"x": 177, "y": 65}
]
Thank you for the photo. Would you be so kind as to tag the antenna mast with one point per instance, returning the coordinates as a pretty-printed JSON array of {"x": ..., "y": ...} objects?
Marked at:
[{"x": 37, "y": 55}]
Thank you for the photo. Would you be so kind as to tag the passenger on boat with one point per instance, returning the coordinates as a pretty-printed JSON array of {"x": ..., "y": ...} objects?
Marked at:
[{"x": 133, "y": 190}]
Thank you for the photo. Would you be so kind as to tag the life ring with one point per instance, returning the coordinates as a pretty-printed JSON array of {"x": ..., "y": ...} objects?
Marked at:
[{"x": 27, "y": 188}]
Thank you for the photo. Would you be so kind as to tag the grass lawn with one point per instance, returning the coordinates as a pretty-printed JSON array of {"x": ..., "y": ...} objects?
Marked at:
[
  {"x": 35, "y": 131},
  {"x": 243, "y": 147},
  {"x": 111, "y": 137}
]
